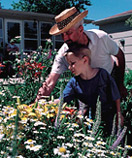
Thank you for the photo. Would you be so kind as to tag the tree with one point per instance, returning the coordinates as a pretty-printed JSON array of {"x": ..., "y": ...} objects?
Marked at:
[
  {"x": 49, "y": 6},
  {"x": 129, "y": 21}
]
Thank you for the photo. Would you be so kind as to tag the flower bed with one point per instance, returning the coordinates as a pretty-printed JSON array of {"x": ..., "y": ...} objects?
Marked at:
[
  {"x": 29, "y": 131},
  {"x": 47, "y": 130}
]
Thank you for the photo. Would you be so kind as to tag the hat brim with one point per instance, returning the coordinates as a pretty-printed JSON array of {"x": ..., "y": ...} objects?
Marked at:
[{"x": 55, "y": 31}]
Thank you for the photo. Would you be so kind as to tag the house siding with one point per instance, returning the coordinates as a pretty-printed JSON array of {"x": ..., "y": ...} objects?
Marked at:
[
  {"x": 119, "y": 26},
  {"x": 116, "y": 27},
  {"x": 127, "y": 49},
  {"x": 118, "y": 30}
]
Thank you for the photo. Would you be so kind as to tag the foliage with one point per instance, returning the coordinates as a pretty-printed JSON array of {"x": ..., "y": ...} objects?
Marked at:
[
  {"x": 29, "y": 131},
  {"x": 128, "y": 79},
  {"x": 51, "y": 7},
  {"x": 129, "y": 21},
  {"x": 32, "y": 70}
]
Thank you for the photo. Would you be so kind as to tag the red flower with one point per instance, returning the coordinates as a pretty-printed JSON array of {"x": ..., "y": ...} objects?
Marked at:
[
  {"x": 71, "y": 111},
  {"x": 1, "y": 71},
  {"x": 37, "y": 74},
  {"x": 34, "y": 68},
  {"x": 2, "y": 65}
]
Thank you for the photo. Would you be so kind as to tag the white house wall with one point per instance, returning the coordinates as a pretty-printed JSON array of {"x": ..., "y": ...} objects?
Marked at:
[{"x": 127, "y": 36}]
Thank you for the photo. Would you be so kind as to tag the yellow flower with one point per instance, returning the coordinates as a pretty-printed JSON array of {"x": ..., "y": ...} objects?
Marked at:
[
  {"x": 46, "y": 154},
  {"x": 128, "y": 146},
  {"x": 18, "y": 100},
  {"x": 75, "y": 125},
  {"x": 38, "y": 114},
  {"x": 50, "y": 115},
  {"x": 45, "y": 108},
  {"x": 80, "y": 116},
  {"x": 31, "y": 114},
  {"x": 30, "y": 142},
  {"x": 62, "y": 116},
  {"x": 28, "y": 110},
  {"x": 14, "y": 113},
  {"x": 64, "y": 105},
  {"x": 62, "y": 150},
  {"x": 22, "y": 106},
  {"x": 87, "y": 123},
  {"x": 1, "y": 118},
  {"x": 24, "y": 119},
  {"x": 112, "y": 153}
]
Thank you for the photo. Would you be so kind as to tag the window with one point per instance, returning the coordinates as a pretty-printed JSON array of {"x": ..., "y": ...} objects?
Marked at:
[
  {"x": 1, "y": 34},
  {"x": 30, "y": 35},
  {"x": 13, "y": 29},
  {"x": 58, "y": 41},
  {"x": 45, "y": 27},
  {"x": 1, "y": 40}
]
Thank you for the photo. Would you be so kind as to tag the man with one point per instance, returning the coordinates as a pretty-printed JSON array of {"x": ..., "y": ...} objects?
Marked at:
[{"x": 69, "y": 23}]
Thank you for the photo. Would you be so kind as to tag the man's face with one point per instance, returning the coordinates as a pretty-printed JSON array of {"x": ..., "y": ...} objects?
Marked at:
[{"x": 72, "y": 35}]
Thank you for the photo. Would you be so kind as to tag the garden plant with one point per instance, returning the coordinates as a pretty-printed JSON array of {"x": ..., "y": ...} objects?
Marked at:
[{"x": 44, "y": 129}]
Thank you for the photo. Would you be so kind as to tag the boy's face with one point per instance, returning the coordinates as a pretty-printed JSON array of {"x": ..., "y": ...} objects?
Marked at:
[{"x": 75, "y": 64}]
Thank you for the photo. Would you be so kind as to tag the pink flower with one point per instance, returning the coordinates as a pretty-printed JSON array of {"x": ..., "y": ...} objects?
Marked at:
[{"x": 50, "y": 54}]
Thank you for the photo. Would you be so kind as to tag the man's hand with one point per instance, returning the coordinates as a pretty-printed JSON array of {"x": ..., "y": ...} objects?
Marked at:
[
  {"x": 43, "y": 91},
  {"x": 48, "y": 86}
]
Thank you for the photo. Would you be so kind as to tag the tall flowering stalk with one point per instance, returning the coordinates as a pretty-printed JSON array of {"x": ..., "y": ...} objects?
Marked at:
[
  {"x": 118, "y": 140},
  {"x": 57, "y": 120},
  {"x": 114, "y": 126},
  {"x": 125, "y": 150},
  {"x": 119, "y": 124},
  {"x": 98, "y": 119},
  {"x": 14, "y": 143}
]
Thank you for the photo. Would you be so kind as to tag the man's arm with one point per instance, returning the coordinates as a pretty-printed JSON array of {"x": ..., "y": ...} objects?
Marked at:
[
  {"x": 47, "y": 86},
  {"x": 121, "y": 64},
  {"x": 121, "y": 67}
]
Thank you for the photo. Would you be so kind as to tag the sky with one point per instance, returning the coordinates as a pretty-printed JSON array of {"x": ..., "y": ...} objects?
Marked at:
[{"x": 98, "y": 10}]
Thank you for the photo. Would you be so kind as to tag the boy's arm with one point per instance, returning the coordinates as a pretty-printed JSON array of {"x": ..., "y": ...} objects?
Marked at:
[{"x": 119, "y": 112}]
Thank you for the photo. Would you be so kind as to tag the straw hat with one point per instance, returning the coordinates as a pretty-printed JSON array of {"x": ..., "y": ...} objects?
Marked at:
[{"x": 66, "y": 19}]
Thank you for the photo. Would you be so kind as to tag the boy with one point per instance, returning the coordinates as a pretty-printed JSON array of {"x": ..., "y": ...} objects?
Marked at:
[{"x": 89, "y": 83}]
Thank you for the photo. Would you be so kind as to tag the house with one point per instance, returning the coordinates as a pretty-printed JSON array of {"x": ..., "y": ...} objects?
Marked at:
[
  {"x": 116, "y": 27},
  {"x": 33, "y": 28}
]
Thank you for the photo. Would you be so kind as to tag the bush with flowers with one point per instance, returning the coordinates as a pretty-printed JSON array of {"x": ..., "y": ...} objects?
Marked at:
[
  {"x": 50, "y": 130},
  {"x": 33, "y": 70},
  {"x": 28, "y": 131}
]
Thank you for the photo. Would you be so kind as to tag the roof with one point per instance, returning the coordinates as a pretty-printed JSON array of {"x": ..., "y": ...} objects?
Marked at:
[
  {"x": 117, "y": 17},
  {"x": 88, "y": 21},
  {"x": 21, "y": 15}
]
